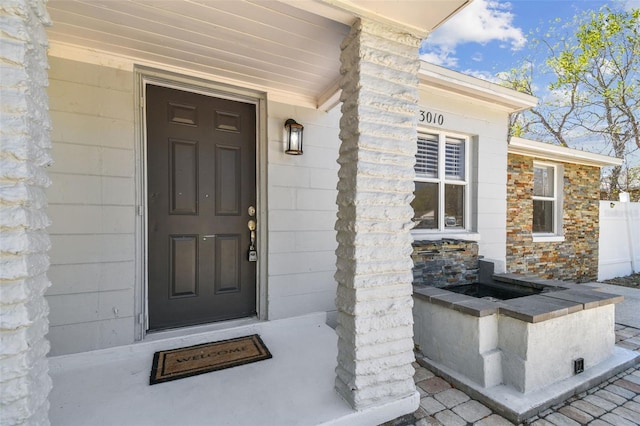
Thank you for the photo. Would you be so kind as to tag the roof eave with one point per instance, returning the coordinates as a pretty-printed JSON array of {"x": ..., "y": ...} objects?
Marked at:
[
  {"x": 563, "y": 154},
  {"x": 412, "y": 22},
  {"x": 445, "y": 79}
]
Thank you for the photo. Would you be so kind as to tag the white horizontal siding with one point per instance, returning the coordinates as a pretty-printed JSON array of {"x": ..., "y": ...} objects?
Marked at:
[
  {"x": 85, "y": 336},
  {"x": 301, "y": 220},
  {"x": 91, "y": 248},
  {"x": 78, "y": 278},
  {"x": 301, "y": 241},
  {"x": 72, "y": 158},
  {"x": 91, "y": 219},
  {"x": 95, "y": 101},
  {"x": 70, "y": 128},
  {"x": 301, "y": 262},
  {"x": 87, "y": 307},
  {"x": 302, "y": 213},
  {"x": 91, "y": 205},
  {"x": 93, "y": 210},
  {"x": 90, "y": 189},
  {"x": 487, "y": 127}
]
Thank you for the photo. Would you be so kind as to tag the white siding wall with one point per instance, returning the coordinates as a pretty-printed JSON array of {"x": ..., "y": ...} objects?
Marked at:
[
  {"x": 302, "y": 213},
  {"x": 619, "y": 245},
  {"x": 488, "y": 128},
  {"x": 91, "y": 204}
]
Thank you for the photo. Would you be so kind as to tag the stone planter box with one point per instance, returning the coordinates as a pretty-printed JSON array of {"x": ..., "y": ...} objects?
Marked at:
[{"x": 516, "y": 350}]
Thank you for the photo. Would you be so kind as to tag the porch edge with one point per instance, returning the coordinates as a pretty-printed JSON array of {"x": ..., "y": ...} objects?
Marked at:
[{"x": 378, "y": 414}]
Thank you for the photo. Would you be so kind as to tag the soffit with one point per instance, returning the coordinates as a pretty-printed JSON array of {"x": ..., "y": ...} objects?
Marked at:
[
  {"x": 288, "y": 48},
  {"x": 416, "y": 17}
]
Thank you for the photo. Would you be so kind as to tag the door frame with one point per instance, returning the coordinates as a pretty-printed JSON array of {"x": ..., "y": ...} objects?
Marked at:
[{"x": 143, "y": 76}]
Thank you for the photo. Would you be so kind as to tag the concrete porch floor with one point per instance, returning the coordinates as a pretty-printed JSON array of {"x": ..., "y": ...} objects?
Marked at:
[{"x": 295, "y": 387}]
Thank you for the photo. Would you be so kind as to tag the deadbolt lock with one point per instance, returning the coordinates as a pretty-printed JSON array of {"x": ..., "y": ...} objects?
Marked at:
[{"x": 252, "y": 211}]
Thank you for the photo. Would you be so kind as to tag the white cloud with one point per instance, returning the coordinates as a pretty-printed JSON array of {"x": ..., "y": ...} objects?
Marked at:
[
  {"x": 478, "y": 57},
  {"x": 440, "y": 55},
  {"x": 557, "y": 97},
  {"x": 631, "y": 4},
  {"x": 482, "y": 75},
  {"x": 481, "y": 22}
]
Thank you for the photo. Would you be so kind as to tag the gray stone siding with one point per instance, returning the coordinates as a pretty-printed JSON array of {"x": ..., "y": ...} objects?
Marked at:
[
  {"x": 575, "y": 258},
  {"x": 445, "y": 262}
]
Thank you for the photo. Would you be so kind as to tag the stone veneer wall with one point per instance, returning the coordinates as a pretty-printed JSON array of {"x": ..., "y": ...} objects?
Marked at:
[
  {"x": 374, "y": 297},
  {"x": 575, "y": 258},
  {"x": 445, "y": 262},
  {"x": 24, "y": 153}
]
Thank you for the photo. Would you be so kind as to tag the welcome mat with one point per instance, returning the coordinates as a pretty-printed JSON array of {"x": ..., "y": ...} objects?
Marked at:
[{"x": 193, "y": 360}]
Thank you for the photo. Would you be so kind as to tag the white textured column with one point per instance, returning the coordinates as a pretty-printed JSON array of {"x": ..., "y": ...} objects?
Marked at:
[
  {"x": 377, "y": 155},
  {"x": 24, "y": 152}
]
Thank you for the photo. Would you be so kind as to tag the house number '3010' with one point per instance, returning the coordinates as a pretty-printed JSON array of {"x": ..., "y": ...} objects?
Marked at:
[{"x": 431, "y": 118}]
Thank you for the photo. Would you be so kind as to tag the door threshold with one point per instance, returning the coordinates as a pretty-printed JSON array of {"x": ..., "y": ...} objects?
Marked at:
[{"x": 152, "y": 336}]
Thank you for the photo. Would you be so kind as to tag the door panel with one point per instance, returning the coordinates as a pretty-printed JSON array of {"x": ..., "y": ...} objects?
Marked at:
[
  {"x": 201, "y": 181},
  {"x": 183, "y": 268},
  {"x": 183, "y": 175},
  {"x": 227, "y": 179},
  {"x": 228, "y": 277}
]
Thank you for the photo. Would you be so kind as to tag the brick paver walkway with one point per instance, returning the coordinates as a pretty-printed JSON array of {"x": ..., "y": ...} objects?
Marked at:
[{"x": 615, "y": 402}]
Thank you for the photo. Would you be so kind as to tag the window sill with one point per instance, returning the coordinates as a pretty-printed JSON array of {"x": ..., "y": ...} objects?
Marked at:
[
  {"x": 548, "y": 238},
  {"x": 422, "y": 235}
]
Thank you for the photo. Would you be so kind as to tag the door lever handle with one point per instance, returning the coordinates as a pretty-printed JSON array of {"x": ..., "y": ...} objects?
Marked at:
[
  {"x": 252, "y": 234},
  {"x": 253, "y": 254}
]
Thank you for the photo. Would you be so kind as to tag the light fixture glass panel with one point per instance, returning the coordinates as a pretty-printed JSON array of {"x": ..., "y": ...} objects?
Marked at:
[
  {"x": 294, "y": 143},
  {"x": 294, "y": 137}
]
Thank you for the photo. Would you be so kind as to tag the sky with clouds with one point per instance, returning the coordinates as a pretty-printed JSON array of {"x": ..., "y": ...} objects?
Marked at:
[
  {"x": 492, "y": 36},
  {"x": 489, "y": 36}
]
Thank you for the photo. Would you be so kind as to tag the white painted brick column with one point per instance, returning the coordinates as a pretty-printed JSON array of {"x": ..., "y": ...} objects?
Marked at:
[
  {"x": 377, "y": 155},
  {"x": 24, "y": 152}
]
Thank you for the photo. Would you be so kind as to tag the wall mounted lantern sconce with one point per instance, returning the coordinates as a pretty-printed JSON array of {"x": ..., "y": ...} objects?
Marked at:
[{"x": 294, "y": 137}]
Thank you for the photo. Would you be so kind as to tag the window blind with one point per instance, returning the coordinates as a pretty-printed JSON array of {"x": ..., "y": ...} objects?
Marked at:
[
  {"x": 454, "y": 158},
  {"x": 427, "y": 156}
]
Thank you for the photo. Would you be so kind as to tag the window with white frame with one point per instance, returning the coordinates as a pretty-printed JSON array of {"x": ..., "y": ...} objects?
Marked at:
[
  {"x": 547, "y": 199},
  {"x": 441, "y": 186}
]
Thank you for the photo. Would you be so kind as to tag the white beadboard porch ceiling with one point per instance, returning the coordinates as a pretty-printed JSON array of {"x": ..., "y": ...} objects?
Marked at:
[{"x": 288, "y": 48}]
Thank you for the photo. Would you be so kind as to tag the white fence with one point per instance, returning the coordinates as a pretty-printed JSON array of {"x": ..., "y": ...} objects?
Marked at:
[{"x": 619, "y": 243}]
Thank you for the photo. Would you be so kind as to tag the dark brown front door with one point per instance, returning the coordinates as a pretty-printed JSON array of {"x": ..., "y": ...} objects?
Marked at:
[{"x": 201, "y": 161}]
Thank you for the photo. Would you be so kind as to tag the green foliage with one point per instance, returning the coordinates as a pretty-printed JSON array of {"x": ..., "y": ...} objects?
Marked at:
[{"x": 592, "y": 66}]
